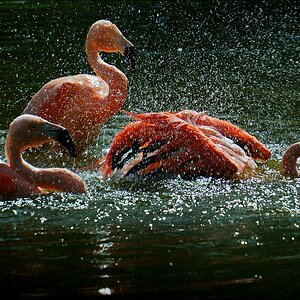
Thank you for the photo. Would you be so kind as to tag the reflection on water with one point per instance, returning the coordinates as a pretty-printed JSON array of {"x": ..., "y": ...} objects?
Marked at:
[{"x": 207, "y": 237}]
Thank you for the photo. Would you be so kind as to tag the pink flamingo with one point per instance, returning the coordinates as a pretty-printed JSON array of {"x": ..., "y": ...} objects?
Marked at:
[
  {"x": 289, "y": 161},
  {"x": 20, "y": 179},
  {"x": 187, "y": 143},
  {"x": 82, "y": 103}
]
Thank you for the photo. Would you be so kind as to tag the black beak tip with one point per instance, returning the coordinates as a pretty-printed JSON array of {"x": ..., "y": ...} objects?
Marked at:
[
  {"x": 130, "y": 54},
  {"x": 73, "y": 152},
  {"x": 65, "y": 139}
]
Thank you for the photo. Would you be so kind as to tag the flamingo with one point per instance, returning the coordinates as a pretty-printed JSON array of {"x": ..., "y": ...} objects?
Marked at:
[
  {"x": 187, "y": 143},
  {"x": 289, "y": 161},
  {"x": 17, "y": 177},
  {"x": 82, "y": 103}
]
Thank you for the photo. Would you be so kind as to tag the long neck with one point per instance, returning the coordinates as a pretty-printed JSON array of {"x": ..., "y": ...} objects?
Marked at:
[
  {"x": 13, "y": 153},
  {"x": 289, "y": 161},
  {"x": 52, "y": 178},
  {"x": 115, "y": 79}
]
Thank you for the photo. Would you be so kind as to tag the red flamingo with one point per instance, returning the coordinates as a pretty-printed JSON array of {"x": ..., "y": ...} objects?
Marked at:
[
  {"x": 82, "y": 103},
  {"x": 187, "y": 143},
  {"x": 17, "y": 177}
]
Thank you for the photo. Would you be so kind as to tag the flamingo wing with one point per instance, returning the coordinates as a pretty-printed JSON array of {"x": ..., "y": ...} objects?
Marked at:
[
  {"x": 135, "y": 138},
  {"x": 163, "y": 143},
  {"x": 248, "y": 142},
  {"x": 77, "y": 103},
  {"x": 52, "y": 100}
]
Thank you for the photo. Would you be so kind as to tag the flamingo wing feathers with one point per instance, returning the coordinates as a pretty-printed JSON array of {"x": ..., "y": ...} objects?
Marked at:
[
  {"x": 249, "y": 143},
  {"x": 52, "y": 100},
  {"x": 177, "y": 144}
]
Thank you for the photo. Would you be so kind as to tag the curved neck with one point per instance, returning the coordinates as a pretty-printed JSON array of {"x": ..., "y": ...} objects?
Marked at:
[
  {"x": 110, "y": 74},
  {"x": 289, "y": 161},
  {"x": 115, "y": 79},
  {"x": 52, "y": 178},
  {"x": 13, "y": 153}
]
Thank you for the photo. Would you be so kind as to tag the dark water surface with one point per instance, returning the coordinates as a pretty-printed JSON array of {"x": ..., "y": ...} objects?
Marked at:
[{"x": 207, "y": 238}]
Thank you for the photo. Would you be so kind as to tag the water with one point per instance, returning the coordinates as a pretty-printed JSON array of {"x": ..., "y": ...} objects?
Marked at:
[{"x": 207, "y": 238}]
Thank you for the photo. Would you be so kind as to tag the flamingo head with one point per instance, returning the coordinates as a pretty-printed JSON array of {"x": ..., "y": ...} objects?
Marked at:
[
  {"x": 105, "y": 36},
  {"x": 28, "y": 131}
]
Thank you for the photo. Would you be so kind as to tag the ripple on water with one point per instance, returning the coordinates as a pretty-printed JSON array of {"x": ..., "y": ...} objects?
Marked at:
[{"x": 162, "y": 202}]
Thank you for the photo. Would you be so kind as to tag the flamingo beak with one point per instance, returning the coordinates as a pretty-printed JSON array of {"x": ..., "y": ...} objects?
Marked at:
[
  {"x": 130, "y": 54},
  {"x": 64, "y": 138},
  {"x": 61, "y": 135}
]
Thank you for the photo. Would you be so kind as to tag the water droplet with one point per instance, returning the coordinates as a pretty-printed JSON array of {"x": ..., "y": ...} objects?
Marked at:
[{"x": 105, "y": 291}]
